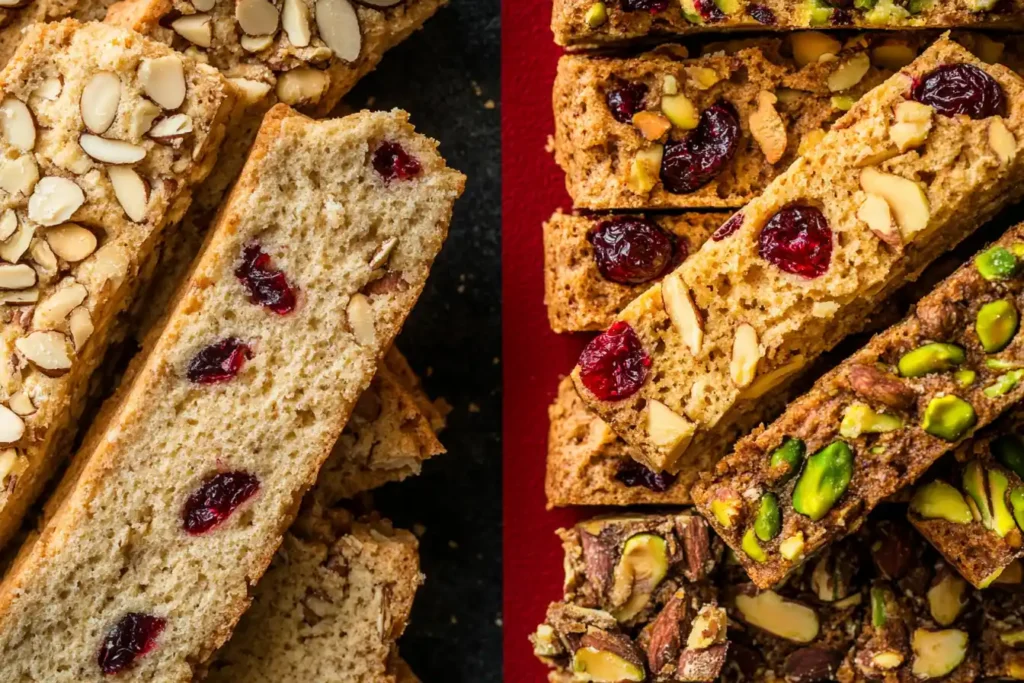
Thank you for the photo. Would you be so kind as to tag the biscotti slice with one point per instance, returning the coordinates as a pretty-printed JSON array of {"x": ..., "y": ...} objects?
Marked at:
[
  {"x": 595, "y": 265},
  {"x": 1002, "y": 657},
  {"x": 592, "y": 23},
  {"x": 875, "y": 423},
  {"x": 182, "y": 493},
  {"x": 331, "y": 606},
  {"x": 85, "y": 197},
  {"x": 684, "y": 368}
]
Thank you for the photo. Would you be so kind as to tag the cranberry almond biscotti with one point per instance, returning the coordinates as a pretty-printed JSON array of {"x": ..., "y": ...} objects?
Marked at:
[
  {"x": 913, "y": 168},
  {"x": 87, "y": 196},
  {"x": 184, "y": 487}
]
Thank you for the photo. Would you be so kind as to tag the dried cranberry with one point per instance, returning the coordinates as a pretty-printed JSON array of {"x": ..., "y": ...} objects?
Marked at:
[
  {"x": 266, "y": 285},
  {"x": 216, "y": 499},
  {"x": 708, "y": 10},
  {"x": 762, "y": 15},
  {"x": 614, "y": 363},
  {"x": 727, "y": 228},
  {"x": 630, "y": 250},
  {"x": 691, "y": 163},
  {"x": 797, "y": 240},
  {"x": 626, "y": 100},
  {"x": 961, "y": 89},
  {"x": 631, "y": 473},
  {"x": 218, "y": 362},
  {"x": 131, "y": 637},
  {"x": 393, "y": 162},
  {"x": 652, "y": 6}
]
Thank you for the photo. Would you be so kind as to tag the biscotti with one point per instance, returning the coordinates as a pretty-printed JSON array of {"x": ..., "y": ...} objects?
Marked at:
[
  {"x": 181, "y": 493},
  {"x": 583, "y": 23},
  {"x": 875, "y": 423},
  {"x": 595, "y": 265},
  {"x": 1001, "y": 656},
  {"x": 87, "y": 194},
  {"x": 685, "y": 366},
  {"x": 331, "y": 606},
  {"x": 660, "y": 131}
]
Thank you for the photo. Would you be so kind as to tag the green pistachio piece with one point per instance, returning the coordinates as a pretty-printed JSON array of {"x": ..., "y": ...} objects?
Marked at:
[
  {"x": 996, "y": 324},
  {"x": 824, "y": 480},
  {"x": 596, "y": 15},
  {"x": 934, "y": 357},
  {"x": 997, "y": 364},
  {"x": 886, "y": 12},
  {"x": 859, "y": 419},
  {"x": 864, "y": 4},
  {"x": 1017, "y": 503},
  {"x": 964, "y": 378},
  {"x": 843, "y": 102},
  {"x": 1004, "y": 384},
  {"x": 1009, "y": 450},
  {"x": 726, "y": 508},
  {"x": 997, "y": 263},
  {"x": 878, "y": 611},
  {"x": 948, "y": 417},
  {"x": 974, "y": 484},
  {"x": 917, "y": 6},
  {"x": 768, "y": 522},
  {"x": 690, "y": 12},
  {"x": 982, "y": 5},
  {"x": 729, "y": 6},
  {"x": 817, "y": 12},
  {"x": 752, "y": 548},
  {"x": 790, "y": 454},
  {"x": 1002, "y": 520},
  {"x": 1018, "y": 249},
  {"x": 939, "y": 500}
]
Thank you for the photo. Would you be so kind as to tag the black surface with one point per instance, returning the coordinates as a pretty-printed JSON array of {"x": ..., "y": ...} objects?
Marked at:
[{"x": 444, "y": 76}]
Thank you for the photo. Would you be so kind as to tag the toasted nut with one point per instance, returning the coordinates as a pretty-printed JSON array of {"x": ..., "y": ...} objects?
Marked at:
[
  {"x": 49, "y": 89},
  {"x": 680, "y": 111},
  {"x": 670, "y": 85},
  {"x": 682, "y": 312},
  {"x": 934, "y": 357},
  {"x": 17, "y": 277},
  {"x": 948, "y": 417},
  {"x": 768, "y": 521},
  {"x": 987, "y": 491},
  {"x": 771, "y": 379},
  {"x": 788, "y": 457},
  {"x": 11, "y": 464},
  {"x": 947, "y": 598},
  {"x": 44, "y": 258},
  {"x": 15, "y": 247},
  {"x": 607, "y": 658},
  {"x": 51, "y": 313},
  {"x": 906, "y": 199},
  {"x": 81, "y": 327},
  {"x": 878, "y": 386},
  {"x": 111, "y": 151},
  {"x": 810, "y": 46},
  {"x": 937, "y": 653},
  {"x": 172, "y": 128},
  {"x": 784, "y": 618},
  {"x": 17, "y": 124},
  {"x": 893, "y": 55},
  {"x": 859, "y": 419},
  {"x": 665, "y": 635},
  {"x": 141, "y": 119},
  {"x": 163, "y": 80},
  {"x": 8, "y": 224},
  {"x": 939, "y": 500},
  {"x": 792, "y": 548},
  {"x": 643, "y": 175},
  {"x": 360, "y": 319},
  {"x": 99, "y": 101},
  {"x": 256, "y": 17},
  {"x": 875, "y": 212},
  {"x": 21, "y": 404},
  {"x": 708, "y": 628},
  {"x": 71, "y": 242},
  {"x": 48, "y": 351},
  {"x": 651, "y": 124},
  {"x": 914, "y": 122},
  {"x": 23, "y": 296},
  {"x": 752, "y": 548},
  {"x": 767, "y": 127},
  {"x": 887, "y": 660},
  {"x": 668, "y": 430},
  {"x": 302, "y": 86},
  {"x": 1012, "y": 638},
  {"x": 1017, "y": 503},
  {"x": 338, "y": 25},
  {"x": 849, "y": 73},
  {"x": 204, "y": 5},
  {"x": 597, "y": 15},
  {"x": 996, "y": 325},
  {"x": 641, "y": 567},
  {"x": 746, "y": 355},
  {"x": 824, "y": 480},
  {"x": 1004, "y": 384},
  {"x": 702, "y": 77},
  {"x": 964, "y": 378},
  {"x": 19, "y": 175},
  {"x": 1001, "y": 140},
  {"x": 726, "y": 507},
  {"x": 195, "y": 28},
  {"x": 130, "y": 190},
  {"x": 295, "y": 21},
  {"x": 12, "y": 427},
  {"x": 255, "y": 43},
  {"x": 54, "y": 201}
]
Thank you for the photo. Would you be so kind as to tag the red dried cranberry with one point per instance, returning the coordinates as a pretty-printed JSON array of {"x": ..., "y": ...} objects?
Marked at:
[
  {"x": 691, "y": 163},
  {"x": 218, "y": 362},
  {"x": 131, "y": 637},
  {"x": 631, "y": 473},
  {"x": 709, "y": 11},
  {"x": 762, "y": 15},
  {"x": 266, "y": 285},
  {"x": 216, "y": 499},
  {"x": 652, "y": 6},
  {"x": 630, "y": 250},
  {"x": 626, "y": 100},
  {"x": 797, "y": 240},
  {"x": 961, "y": 89},
  {"x": 727, "y": 228},
  {"x": 614, "y": 363},
  {"x": 394, "y": 163}
]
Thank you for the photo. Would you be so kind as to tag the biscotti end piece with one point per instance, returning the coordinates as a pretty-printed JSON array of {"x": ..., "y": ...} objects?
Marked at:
[
  {"x": 801, "y": 266},
  {"x": 594, "y": 266},
  {"x": 197, "y": 474},
  {"x": 330, "y": 608}
]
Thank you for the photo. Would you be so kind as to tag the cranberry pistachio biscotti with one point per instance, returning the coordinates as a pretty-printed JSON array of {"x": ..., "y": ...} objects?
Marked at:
[
  {"x": 913, "y": 168},
  {"x": 183, "y": 489},
  {"x": 87, "y": 195}
]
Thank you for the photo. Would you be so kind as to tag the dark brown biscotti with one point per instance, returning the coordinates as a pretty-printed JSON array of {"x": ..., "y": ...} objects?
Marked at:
[
  {"x": 591, "y": 23},
  {"x": 876, "y": 422},
  {"x": 802, "y": 266},
  {"x": 595, "y": 265},
  {"x": 1002, "y": 647}
]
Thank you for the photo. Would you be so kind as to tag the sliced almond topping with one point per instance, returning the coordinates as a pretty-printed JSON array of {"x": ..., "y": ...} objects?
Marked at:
[
  {"x": 256, "y": 17},
  {"x": 71, "y": 242},
  {"x": 163, "y": 80},
  {"x": 12, "y": 427},
  {"x": 875, "y": 212},
  {"x": 49, "y": 89},
  {"x": 131, "y": 191},
  {"x": 54, "y": 201},
  {"x": 256, "y": 43},
  {"x": 110, "y": 264},
  {"x": 849, "y": 73},
  {"x": 17, "y": 124},
  {"x": 51, "y": 313},
  {"x": 906, "y": 199},
  {"x": 195, "y": 28},
  {"x": 1001, "y": 140},
  {"x": 360, "y": 319},
  {"x": 99, "y": 101},
  {"x": 15, "y": 246},
  {"x": 172, "y": 128},
  {"x": 204, "y": 5},
  {"x": 682, "y": 312},
  {"x": 43, "y": 256},
  {"x": 18, "y": 276},
  {"x": 667, "y": 429},
  {"x": 111, "y": 151},
  {"x": 19, "y": 175},
  {"x": 746, "y": 354},
  {"x": 250, "y": 91},
  {"x": 338, "y": 24},
  {"x": 81, "y": 327},
  {"x": 383, "y": 253},
  {"x": 295, "y": 21},
  {"x": 8, "y": 224},
  {"x": 767, "y": 127},
  {"x": 141, "y": 119},
  {"x": 21, "y": 404},
  {"x": 23, "y": 296},
  {"x": 48, "y": 351},
  {"x": 302, "y": 86}
]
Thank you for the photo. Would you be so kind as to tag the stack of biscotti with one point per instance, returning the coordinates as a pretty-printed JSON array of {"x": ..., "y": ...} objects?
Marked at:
[{"x": 181, "y": 492}]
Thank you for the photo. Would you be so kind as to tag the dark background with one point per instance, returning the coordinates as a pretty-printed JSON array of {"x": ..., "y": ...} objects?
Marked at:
[{"x": 447, "y": 77}]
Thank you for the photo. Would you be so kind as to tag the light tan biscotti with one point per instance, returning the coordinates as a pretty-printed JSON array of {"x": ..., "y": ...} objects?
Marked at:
[
  {"x": 80, "y": 221},
  {"x": 312, "y": 198},
  {"x": 577, "y": 294},
  {"x": 331, "y": 607},
  {"x": 15, "y": 21},
  {"x": 855, "y": 215}
]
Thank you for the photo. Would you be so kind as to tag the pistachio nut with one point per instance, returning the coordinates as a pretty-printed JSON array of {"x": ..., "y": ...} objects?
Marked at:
[
  {"x": 789, "y": 456},
  {"x": 726, "y": 507},
  {"x": 596, "y": 15},
  {"x": 824, "y": 480},
  {"x": 973, "y": 482},
  {"x": 859, "y": 419},
  {"x": 947, "y": 598},
  {"x": 1017, "y": 503},
  {"x": 879, "y": 614},
  {"x": 996, "y": 324},
  {"x": 641, "y": 567},
  {"x": 948, "y": 417},
  {"x": 607, "y": 658},
  {"x": 1002, "y": 520},
  {"x": 1004, "y": 384},
  {"x": 1008, "y": 449},
  {"x": 964, "y": 378},
  {"x": 792, "y": 548},
  {"x": 768, "y": 522},
  {"x": 1000, "y": 364},
  {"x": 752, "y": 548},
  {"x": 937, "y": 653},
  {"x": 997, "y": 263},
  {"x": 939, "y": 500},
  {"x": 933, "y": 357}
]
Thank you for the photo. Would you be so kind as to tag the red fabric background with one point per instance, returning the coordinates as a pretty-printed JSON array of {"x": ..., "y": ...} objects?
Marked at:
[{"x": 534, "y": 357}]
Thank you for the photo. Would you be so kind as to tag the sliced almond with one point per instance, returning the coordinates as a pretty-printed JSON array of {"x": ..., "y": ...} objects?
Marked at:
[
  {"x": 1001, "y": 140},
  {"x": 773, "y": 378},
  {"x": 255, "y": 43},
  {"x": 8, "y": 224},
  {"x": 682, "y": 312},
  {"x": 668, "y": 430},
  {"x": 111, "y": 151},
  {"x": 907, "y": 200},
  {"x": 250, "y": 91},
  {"x": 43, "y": 256},
  {"x": 23, "y": 296},
  {"x": 48, "y": 351},
  {"x": 643, "y": 175},
  {"x": 8, "y": 465},
  {"x": 875, "y": 212},
  {"x": 71, "y": 242},
  {"x": 172, "y": 128},
  {"x": 15, "y": 246},
  {"x": 19, "y": 128},
  {"x": 131, "y": 191},
  {"x": 380, "y": 3},
  {"x": 100, "y": 99},
  {"x": 256, "y": 17},
  {"x": 21, "y": 404},
  {"x": 360, "y": 319},
  {"x": 913, "y": 123},
  {"x": 54, "y": 310},
  {"x": 768, "y": 128},
  {"x": 295, "y": 21},
  {"x": 163, "y": 80},
  {"x": 849, "y": 73},
  {"x": 746, "y": 354},
  {"x": 49, "y": 89},
  {"x": 18, "y": 276},
  {"x": 302, "y": 86},
  {"x": 338, "y": 25},
  {"x": 110, "y": 264},
  {"x": 204, "y": 5},
  {"x": 383, "y": 253},
  {"x": 80, "y": 326},
  {"x": 195, "y": 28},
  {"x": 19, "y": 175},
  {"x": 811, "y": 46},
  {"x": 141, "y": 119},
  {"x": 54, "y": 201},
  {"x": 12, "y": 427}
]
